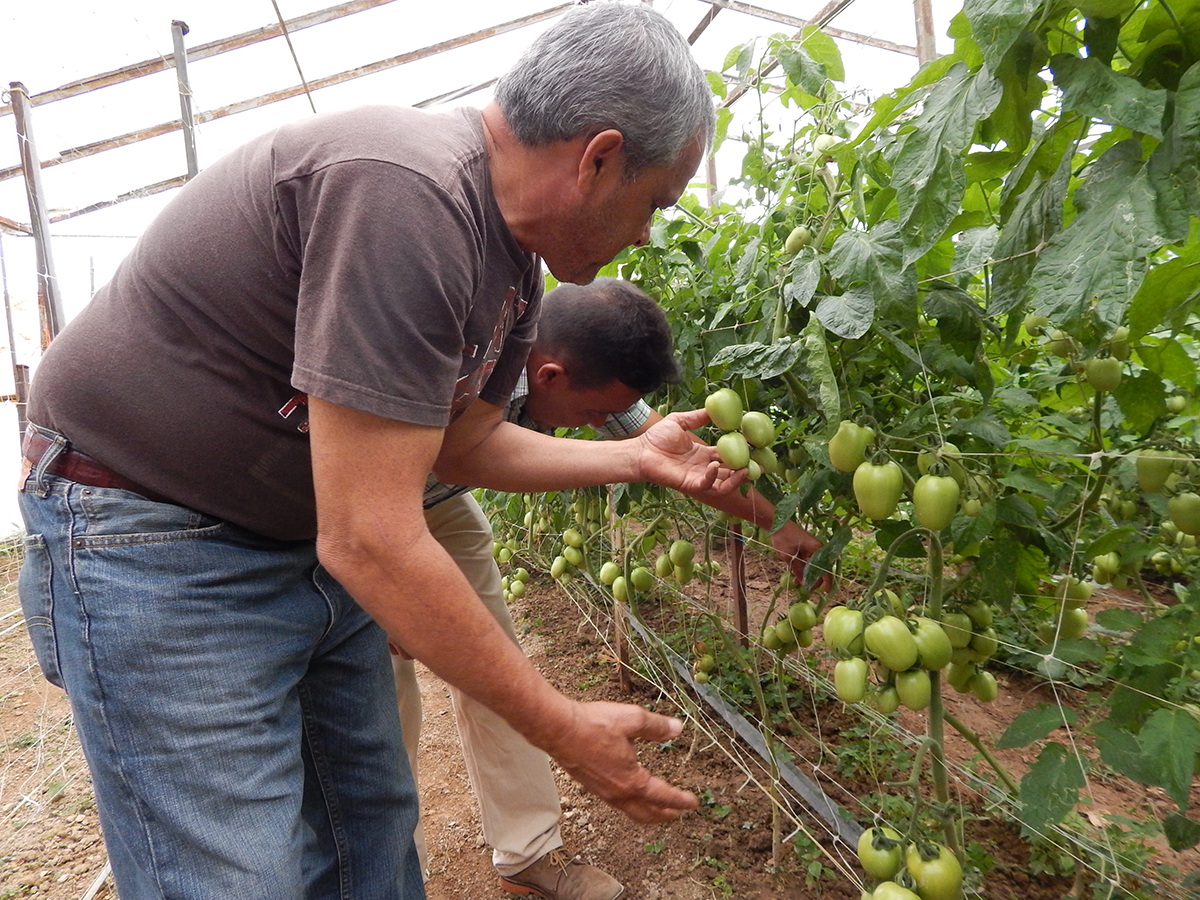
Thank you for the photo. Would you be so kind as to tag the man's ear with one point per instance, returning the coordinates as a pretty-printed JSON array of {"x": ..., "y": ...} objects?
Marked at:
[
  {"x": 548, "y": 372},
  {"x": 603, "y": 158}
]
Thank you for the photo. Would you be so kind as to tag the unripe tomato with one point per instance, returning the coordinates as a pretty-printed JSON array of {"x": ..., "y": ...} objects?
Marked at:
[
  {"x": 786, "y": 633},
  {"x": 847, "y": 447},
  {"x": 516, "y": 589},
  {"x": 733, "y": 450},
  {"x": 985, "y": 643},
  {"x": 758, "y": 429},
  {"x": 935, "y": 498},
  {"x": 825, "y": 142},
  {"x": 558, "y": 567},
  {"x": 641, "y": 578},
  {"x": 1061, "y": 344},
  {"x": 753, "y": 470},
  {"x": 914, "y": 688},
  {"x": 700, "y": 677},
  {"x": 877, "y": 488},
  {"x": 947, "y": 453},
  {"x": 959, "y": 676},
  {"x": 889, "y": 890},
  {"x": 663, "y": 567},
  {"x": 804, "y": 637},
  {"x": 1184, "y": 510},
  {"x": 938, "y": 878},
  {"x": 1103, "y": 374},
  {"x": 1035, "y": 325},
  {"x": 1154, "y": 467},
  {"x": 683, "y": 574},
  {"x": 681, "y": 553},
  {"x": 889, "y": 640},
  {"x": 609, "y": 572},
  {"x": 972, "y": 507},
  {"x": 958, "y": 628},
  {"x": 1072, "y": 624},
  {"x": 983, "y": 686},
  {"x": 572, "y": 538},
  {"x": 843, "y": 629},
  {"x": 850, "y": 679},
  {"x": 885, "y": 699},
  {"x": 803, "y": 615},
  {"x": 724, "y": 407},
  {"x": 1073, "y": 593},
  {"x": 1118, "y": 344},
  {"x": 574, "y": 556},
  {"x": 879, "y": 852},
  {"x": 620, "y": 589},
  {"x": 980, "y": 613},
  {"x": 798, "y": 238},
  {"x": 1176, "y": 403},
  {"x": 766, "y": 460},
  {"x": 933, "y": 644},
  {"x": 770, "y": 639}
]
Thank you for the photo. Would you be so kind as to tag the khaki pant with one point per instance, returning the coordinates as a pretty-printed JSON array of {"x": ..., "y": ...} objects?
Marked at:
[{"x": 511, "y": 779}]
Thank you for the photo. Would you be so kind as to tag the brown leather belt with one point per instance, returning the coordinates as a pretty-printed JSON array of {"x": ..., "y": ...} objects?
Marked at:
[{"x": 81, "y": 468}]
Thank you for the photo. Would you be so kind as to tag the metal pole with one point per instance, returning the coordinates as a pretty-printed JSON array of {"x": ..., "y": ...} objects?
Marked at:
[
  {"x": 20, "y": 373},
  {"x": 48, "y": 299},
  {"x": 926, "y": 46},
  {"x": 186, "y": 116}
]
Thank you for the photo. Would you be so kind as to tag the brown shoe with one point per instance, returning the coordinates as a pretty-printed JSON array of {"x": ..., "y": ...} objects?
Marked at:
[{"x": 554, "y": 877}]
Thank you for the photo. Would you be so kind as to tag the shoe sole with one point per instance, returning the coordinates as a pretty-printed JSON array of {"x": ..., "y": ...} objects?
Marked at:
[{"x": 525, "y": 890}]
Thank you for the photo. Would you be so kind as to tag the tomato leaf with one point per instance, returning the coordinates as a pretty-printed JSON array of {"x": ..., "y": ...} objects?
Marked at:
[
  {"x": 803, "y": 71},
  {"x": 1050, "y": 789},
  {"x": 1168, "y": 294},
  {"x": 1182, "y": 832},
  {"x": 875, "y": 256},
  {"x": 996, "y": 24},
  {"x": 817, "y": 355},
  {"x": 755, "y": 360},
  {"x": 1121, "y": 750},
  {"x": 1034, "y": 724},
  {"x": 1118, "y": 620},
  {"x": 1170, "y": 741},
  {"x": 848, "y": 315},
  {"x": 1093, "y": 89},
  {"x": 805, "y": 272}
]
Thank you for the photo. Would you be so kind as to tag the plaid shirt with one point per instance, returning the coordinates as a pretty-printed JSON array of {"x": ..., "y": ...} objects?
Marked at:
[{"x": 618, "y": 425}]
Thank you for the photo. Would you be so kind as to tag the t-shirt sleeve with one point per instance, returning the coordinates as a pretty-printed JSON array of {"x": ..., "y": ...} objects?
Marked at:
[{"x": 389, "y": 268}]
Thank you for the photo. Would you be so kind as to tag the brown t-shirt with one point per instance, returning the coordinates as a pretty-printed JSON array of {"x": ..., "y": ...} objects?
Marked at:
[{"x": 358, "y": 257}]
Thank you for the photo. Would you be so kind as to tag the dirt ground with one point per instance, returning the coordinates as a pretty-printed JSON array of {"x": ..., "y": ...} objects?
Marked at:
[{"x": 50, "y": 844}]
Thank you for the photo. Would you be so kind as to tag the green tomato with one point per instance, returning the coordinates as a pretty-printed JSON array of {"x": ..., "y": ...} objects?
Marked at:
[
  {"x": 933, "y": 644},
  {"x": 958, "y": 628},
  {"x": 663, "y": 567},
  {"x": 1072, "y": 624},
  {"x": 766, "y": 460},
  {"x": 877, "y": 488},
  {"x": 558, "y": 567},
  {"x": 935, "y": 499},
  {"x": 516, "y": 590},
  {"x": 972, "y": 507},
  {"x": 879, "y": 852},
  {"x": 843, "y": 630},
  {"x": 847, "y": 447},
  {"x": 770, "y": 639},
  {"x": 683, "y": 574},
  {"x": 758, "y": 429},
  {"x": 609, "y": 572},
  {"x": 959, "y": 676},
  {"x": 1176, "y": 403},
  {"x": 983, "y": 686},
  {"x": 803, "y": 615},
  {"x": 889, "y": 640},
  {"x": 889, "y": 890},
  {"x": 939, "y": 877},
  {"x": 1035, "y": 326},
  {"x": 947, "y": 453},
  {"x": 980, "y": 613},
  {"x": 798, "y": 238},
  {"x": 914, "y": 688},
  {"x": 885, "y": 698},
  {"x": 1154, "y": 467},
  {"x": 985, "y": 643},
  {"x": 787, "y": 634},
  {"x": 574, "y": 555},
  {"x": 681, "y": 553},
  {"x": 724, "y": 407},
  {"x": 1061, "y": 344},
  {"x": 1118, "y": 344},
  {"x": 641, "y": 578},
  {"x": 824, "y": 142},
  {"x": 850, "y": 679},
  {"x": 1103, "y": 374},
  {"x": 700, "y": 677},
  {"x": 620, "y": 589},
  {"x": 1184, "y": 510},
  {"x": 572, "y": 538},
  {"x": 733, "y": 450}
]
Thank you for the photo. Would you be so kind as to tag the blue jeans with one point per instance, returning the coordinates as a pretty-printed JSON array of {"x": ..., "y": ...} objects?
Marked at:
[{"x": 235, "y": 705}]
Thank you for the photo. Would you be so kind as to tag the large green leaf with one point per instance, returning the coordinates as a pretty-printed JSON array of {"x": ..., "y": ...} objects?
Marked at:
[
  {"x": 823, "y": 50},
  {"x": 756, "y": 360},
  {"x": 1050, "y": 789},
  {"x": 1093, "y": 89},
  {"x": 1170, "y": 741},
  {"x": 848, "y": 315},
  {"x": 875, "y": 256},
  {"x": 927, "y": 170},
  {"x": 803, "y": 71},
  {"x": 1034, "y": 724},
  {"x": 817, "y": 355},
  {"x": 1167, "y": 295},
  {"x": 1101, "y": 256},
  {"x": 995, "y": 24}
]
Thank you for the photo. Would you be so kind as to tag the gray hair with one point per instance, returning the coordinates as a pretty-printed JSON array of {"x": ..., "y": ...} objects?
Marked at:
[{"x": 610, "y": 65}]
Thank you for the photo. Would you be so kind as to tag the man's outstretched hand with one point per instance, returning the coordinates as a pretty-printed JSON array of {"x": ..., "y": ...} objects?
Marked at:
[{"x": 673, "y": 457}]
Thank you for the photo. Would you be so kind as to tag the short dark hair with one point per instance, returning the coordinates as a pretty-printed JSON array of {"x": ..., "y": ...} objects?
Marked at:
[
  {"x": 611, "y": 65},
  {"x": 608, "y": 331}
]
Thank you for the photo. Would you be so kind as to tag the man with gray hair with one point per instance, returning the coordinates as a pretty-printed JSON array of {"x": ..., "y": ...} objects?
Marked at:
[{"x": 229, "y": 448}]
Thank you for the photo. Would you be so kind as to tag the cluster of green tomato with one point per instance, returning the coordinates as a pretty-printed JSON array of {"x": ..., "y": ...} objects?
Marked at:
[
  {"x": 906, "y": 649},
  {"x": 747, "y": 436},
  {"x": 703, "y": 664},
  {"x": 879, "y": 483},
  {"x": 907, "y": 870},
  {"x": 1069, "y": 617},
  {"x": 793, "y": 630},
  {"x": 1102, "y": 371}
]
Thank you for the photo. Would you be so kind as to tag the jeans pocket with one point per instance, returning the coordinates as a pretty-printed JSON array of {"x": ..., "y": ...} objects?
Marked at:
[{"x": 37, "y": 602}]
